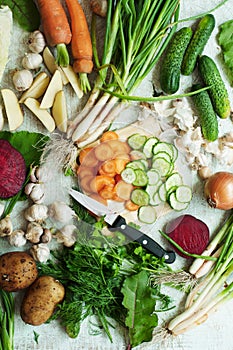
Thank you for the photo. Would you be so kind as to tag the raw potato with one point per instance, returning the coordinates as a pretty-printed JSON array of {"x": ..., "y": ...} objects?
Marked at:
[
  {"x": 59, "y": 111},
  {"x": 41, "y": 300},
  {"x": 42, "y": 114},
  {"x": 50, "y": 63},
  {"x": 54, "y": 86},
  {"x": 73, "y": 80},
  {"x": 38, "y": 87},
  {"x": 17, "y": 271},
  {"x": 13, "y": 111}
]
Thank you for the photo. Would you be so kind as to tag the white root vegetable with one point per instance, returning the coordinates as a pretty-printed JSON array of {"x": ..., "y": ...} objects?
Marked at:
[
  {"x": 40, "y": 252},
  {"x": 6, "y": 226},
  {"x": 34, "y": 232},
  {"x": 1, "y": 117},
  {"x": 17, "y": 238},
  {"x": 208, "y": 264},
  {"x": 37, "y": 212}
]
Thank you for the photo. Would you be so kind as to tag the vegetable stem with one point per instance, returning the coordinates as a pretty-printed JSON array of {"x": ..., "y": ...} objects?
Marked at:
[{"x": 62, "y": 55}]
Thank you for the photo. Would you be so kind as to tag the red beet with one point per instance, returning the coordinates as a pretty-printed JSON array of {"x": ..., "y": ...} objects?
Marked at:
[
  {"x": 12, "y": 170},
  {"x": 189, "y": 233}
]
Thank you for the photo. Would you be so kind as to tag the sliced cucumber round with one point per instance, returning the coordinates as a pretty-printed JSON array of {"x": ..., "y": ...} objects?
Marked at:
[
  {"x": 183, "y": 194},
  {"x": 148, "y": 146},
  {"x": 128, "y": 175},
  {"x": 140, "y": 197},
  {"x": 136, "y": 164},
  {"x": 174, "y": 179},
  {"x": 162, "y": 166},
  {"x": 162, "y": 154},
  {"x": 141, "y": 178},
  {"x": 175, "y": 204},
  {"x": 137, "y": 141},
  {"x": 136, "y": 154},
  {"x": 147, "y": 214},
  {"x": 153, "y": 176},
  {"x": 162, "y": 192}
]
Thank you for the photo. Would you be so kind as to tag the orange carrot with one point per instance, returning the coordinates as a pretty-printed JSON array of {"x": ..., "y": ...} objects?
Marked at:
[
  {"x": 56, "y": 28},
  {"x": 109, "y": 167},
  {"x": 107, "y": 192},
  {"x": 85, "y": 171},
  {"x": 119, "y": 146},
  {"x": 109, "y": 135},
  {"x": 90, "y": 160},
  {"x": 81, "y": 45},
  {"x": 120, "y": 164}
]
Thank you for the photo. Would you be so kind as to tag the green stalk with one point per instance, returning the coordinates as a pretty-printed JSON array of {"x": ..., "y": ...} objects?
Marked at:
[
  {"x": 7, "y": 321},
  {"x": 62, "y": 55}
]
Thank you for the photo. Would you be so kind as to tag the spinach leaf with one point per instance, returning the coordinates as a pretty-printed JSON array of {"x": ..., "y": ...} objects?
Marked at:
[
  {"x": 140, "y": 303},
  {"x": 225, "y": 40},
  {"x": 25, "y": 13}
]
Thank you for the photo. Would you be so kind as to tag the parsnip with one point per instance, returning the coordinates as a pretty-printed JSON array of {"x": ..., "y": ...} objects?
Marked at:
[{"x": 6, "y": 25}]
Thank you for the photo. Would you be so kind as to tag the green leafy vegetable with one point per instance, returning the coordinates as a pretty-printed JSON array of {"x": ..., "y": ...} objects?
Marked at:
[
  {"x": 7, "y": 320},
  {"x": 225, "y": 40},
  {"x": 36, "y": 336},
  {"x": 25, "y": 13},
  {"x": 94, "y": 271},
  {"x": 140, "y": 303}
]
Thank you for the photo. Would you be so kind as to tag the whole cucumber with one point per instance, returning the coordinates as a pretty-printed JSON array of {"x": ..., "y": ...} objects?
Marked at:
[
  {"x": 217, "y": 89},
  {"x": 171, "y": 65},
  {"x": 206, "y": 113},
  {"x": 197, "y": 43}
]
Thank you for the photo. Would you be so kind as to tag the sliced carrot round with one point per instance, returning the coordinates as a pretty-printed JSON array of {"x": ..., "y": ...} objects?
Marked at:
[
  {"x": 109, "y": 166},
  {"x": 99, "y": 181},
  {"x": 129, "y": 205},
  {"x": 109, "y": 135},
  {"x": 107, "y": 192},
  {"x": 85, "y": 184},
  {"x": 123, "y": 190},
  {"x": 103, "y": 152},
  {"x": 119, "y": 146},
  {"x": 83, "y": 171},
  {"x": 83, "y": 153}
]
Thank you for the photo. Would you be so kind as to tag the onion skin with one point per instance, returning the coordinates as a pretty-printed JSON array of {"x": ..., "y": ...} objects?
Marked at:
[{"x": 218, "y": 190}]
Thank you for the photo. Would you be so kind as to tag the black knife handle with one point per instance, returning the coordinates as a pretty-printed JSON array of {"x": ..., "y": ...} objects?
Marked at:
[{"x": 147, "y": 242}]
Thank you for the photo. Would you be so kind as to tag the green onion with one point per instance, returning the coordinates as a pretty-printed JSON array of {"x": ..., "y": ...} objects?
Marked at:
[{"x": 7, "y": 321}]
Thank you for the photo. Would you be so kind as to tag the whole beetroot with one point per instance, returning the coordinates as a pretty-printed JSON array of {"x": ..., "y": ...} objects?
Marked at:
[{"x": 190, "y": 233}]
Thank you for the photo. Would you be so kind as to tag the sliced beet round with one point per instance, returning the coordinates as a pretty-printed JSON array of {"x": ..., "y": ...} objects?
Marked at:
[
  {"x": 12, "y": 170},
  {"x": 189, "y": 233}
]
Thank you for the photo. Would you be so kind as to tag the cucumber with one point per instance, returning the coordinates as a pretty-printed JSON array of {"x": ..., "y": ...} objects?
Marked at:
[
  {"x": 207, "y": 116},
  {"x": 217, "y": 91},
  {"x": 148, "y": 146},
  {"x": 141, "y": 178},
  {"x": 197, "y": 43},
  {"x": 128, "y": 175},
  {"x": 147, "y": 214},
  {"x": 140, "y": 197},
  {"x": 136, "y": 141},
  {"x": 171, "y": 65}
]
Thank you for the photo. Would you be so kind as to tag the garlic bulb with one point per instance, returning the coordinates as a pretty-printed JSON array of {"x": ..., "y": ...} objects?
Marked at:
[
  {"x": 66, "y": 235},
  {"x": 40, "y": 252},
  {"x": 47, "y": 236},
  {"x": 35, "y": 191},
  {"x": 6, "y": 226},
  {"x": 17, "y": 238},
  {"x": 34, "y": 232},
  {"x": 37, "y": 212},
  {"x": 32, "y": 60},
  {"x": 36, "y": 41},
  {"x": 61, "y": 212},
  {"x": 22, "y": 79}
]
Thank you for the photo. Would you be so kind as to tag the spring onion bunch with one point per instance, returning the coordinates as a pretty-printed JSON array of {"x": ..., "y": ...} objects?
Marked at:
[
  {"x": 6, "y": 321},
  {"x": 214, "y": 284},
  {"x": 137, "y": 33}
]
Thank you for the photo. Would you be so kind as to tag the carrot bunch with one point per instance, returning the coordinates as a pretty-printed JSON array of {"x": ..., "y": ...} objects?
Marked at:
[
  {"x": 58, "y": 33},
  {"x": 100, "y": 169}
]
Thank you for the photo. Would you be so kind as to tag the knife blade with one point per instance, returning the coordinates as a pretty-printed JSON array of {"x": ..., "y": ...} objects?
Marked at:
[{"x": 117, "y": 222}]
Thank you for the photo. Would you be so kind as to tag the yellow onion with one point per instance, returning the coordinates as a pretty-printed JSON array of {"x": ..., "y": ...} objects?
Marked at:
[{"x": 219, "y": 190}]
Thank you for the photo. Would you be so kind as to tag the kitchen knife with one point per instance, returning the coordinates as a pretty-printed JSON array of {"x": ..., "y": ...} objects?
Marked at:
[{"x": 117, "y": 222}]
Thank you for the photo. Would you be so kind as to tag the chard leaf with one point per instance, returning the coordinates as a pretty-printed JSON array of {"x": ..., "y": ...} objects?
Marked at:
[
  {"x": 225, "y": 40},
  {"x": 25, "y": 13},
  {"x": 138, "y": 300}
]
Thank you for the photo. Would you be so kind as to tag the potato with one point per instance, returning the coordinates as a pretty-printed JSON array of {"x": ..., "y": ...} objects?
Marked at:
[
  {"x": 41, "y": 299},
  {"x": 17, "y": 271}
]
